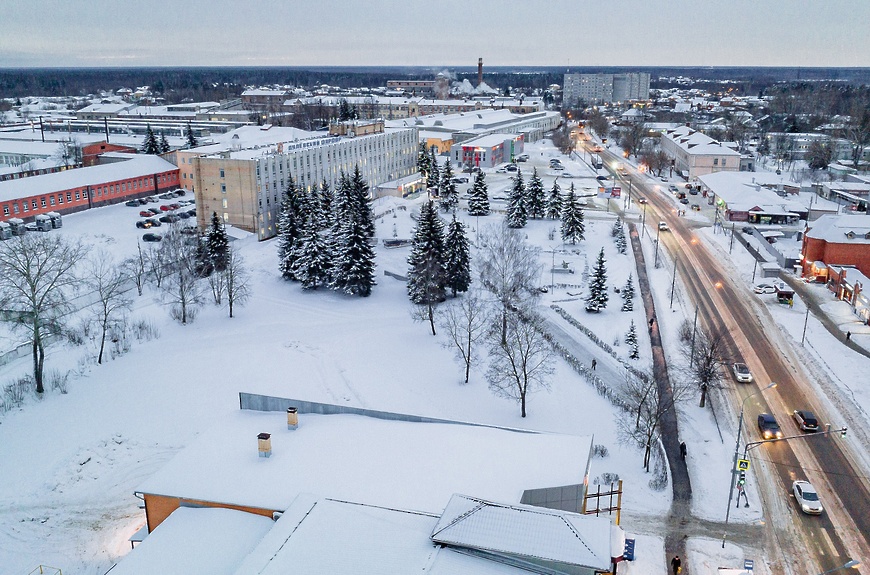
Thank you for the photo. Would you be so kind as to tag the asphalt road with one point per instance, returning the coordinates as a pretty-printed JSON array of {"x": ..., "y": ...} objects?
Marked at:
[{"x": 727, "y": 305}]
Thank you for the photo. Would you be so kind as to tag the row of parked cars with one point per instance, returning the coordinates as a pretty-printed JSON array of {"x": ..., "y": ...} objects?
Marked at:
[{"x": 154, "y": 199}]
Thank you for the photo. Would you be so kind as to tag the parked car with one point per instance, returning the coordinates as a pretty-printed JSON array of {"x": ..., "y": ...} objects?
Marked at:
[
  {"x": 183, "y": 215},
  {"x": 742, "y": 373},
  {"x": 180, "y": 192},
  {"x": 684, "y": 201},
  {"x": 663, "y": 226},
  {"x": 511, "y": 167},
  {"x": 143, "y": 224},
  {"x": 673, "y": 188},
  {"x": 641, "y": 200},
  {"x": 501, "y": 171},
  {"x": 764, "y": 288},
  {"x": 167, "y": 196},
  {"x": 155, "y": 223},
  {"x": 807, "y": 497},
  {"x": 192, "y": 212},
  {"x": 189, "y": 230},
  {"x": 165, "y": 208},
  {"x": 747, "y": 230},
  {"x": 169, "y": 218},
  {"x": 664, "y": 178},
  {"x": 152, "y": 199},
  {"x": 174, "y": 206},
  {"x": 693, "y": 192},
  {"x": 145, "y": 214},
  {"x": 132, "y": 203},
  {"x": 806, "y": 420},
  {"x": 696, "y": 207},
  {"x": 768, "y": 427},
  {"x": 151, "y": 237}
]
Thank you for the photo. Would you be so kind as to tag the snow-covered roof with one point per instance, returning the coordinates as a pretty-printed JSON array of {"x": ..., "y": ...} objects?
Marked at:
[
  {"x": 488, "y": 141},
  {"x": 746, "y": 191},
  {"x": 841, "y": 229},
  {"x": 197, "y": 540},
  {"x": 355, "y": 458},
  {"x": 526, "y": 532},
  {"x": 261, "y": 92},
  {"x": 111, "y": 108},
  {"x": 247, "y": 137},
  {"x": 25, "y": 148},
  {"x": 698, "y": 143},
  {"x": 137, "y": 166}
]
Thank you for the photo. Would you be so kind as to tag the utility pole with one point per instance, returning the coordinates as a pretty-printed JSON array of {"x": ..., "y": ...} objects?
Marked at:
[
  {"x": 806, "y": 319},
  {"x": 731, "y": 246},
  {"x": 658, "y": 232},
  {"x": 674, "y": 281},
  {"x": 694, "y": 329}
]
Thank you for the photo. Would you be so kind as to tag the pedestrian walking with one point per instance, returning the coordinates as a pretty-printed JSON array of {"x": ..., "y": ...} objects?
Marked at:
[
  {"x": 594, "y": 363},
  {"x": 683, "y": 450},
  {"x": 676, "y": 564},
  {"x": 848, "y": 335}
]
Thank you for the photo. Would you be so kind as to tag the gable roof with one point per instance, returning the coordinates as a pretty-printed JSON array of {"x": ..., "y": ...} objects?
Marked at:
[{"x": 525, "y": 532}]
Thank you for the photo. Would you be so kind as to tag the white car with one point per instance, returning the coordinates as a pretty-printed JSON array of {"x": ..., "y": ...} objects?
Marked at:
[
  {"x": 742, "y": 373},
  {"x": 663, "y": 226},
  {"x": 764, "y": 288},
  {"x": 807, "y": 498}
]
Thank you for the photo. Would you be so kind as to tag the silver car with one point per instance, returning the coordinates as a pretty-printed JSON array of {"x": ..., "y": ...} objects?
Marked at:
[
  {"x": 742, "y": 373},
  {"x": 807, "y": 498}
]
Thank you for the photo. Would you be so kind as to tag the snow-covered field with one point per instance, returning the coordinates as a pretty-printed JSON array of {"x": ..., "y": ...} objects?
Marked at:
[{"x": 70, "y": 462}]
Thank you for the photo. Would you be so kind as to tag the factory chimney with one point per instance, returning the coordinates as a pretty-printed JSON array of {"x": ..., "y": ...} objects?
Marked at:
[{"x": 479, "y": 71}]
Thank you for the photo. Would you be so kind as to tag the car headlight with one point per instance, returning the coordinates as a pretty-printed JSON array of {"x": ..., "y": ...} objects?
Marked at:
[{"x": 805, "y": 507}]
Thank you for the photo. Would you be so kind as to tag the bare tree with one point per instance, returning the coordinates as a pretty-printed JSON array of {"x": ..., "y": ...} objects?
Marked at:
[
  {"x": 109, "y": 283},
  {"x": 182, "y": 288},
  {"x": 633, "y": 138},
  {"x": 217, "y": 283},
  {"x": 706, "y": 361},
  {"x": 647, "y": 403},
  {"x": 509, "y": 269},
  {"x": 135, "y": 267},
  {"x": 158, "y": 264},
  {"x": 37, "y": 275},
  {"x": 522, "y": 361},
  {"x": 236, "y": 280},
  {"x": 465, "y": 321},
  {"x": 858, "y": 128},
  {"x": 599, "y": 124}
]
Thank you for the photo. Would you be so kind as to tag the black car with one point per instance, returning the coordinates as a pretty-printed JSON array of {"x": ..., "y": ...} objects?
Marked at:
[
  {"x": 192, "y": 212},
  {"x": 169, "y": 218},
  {"x": 190, "y": 230},
  {"x": 768, "y": 427},
  {"x": 154, "y": 211},
  {"x": 684, "y": 200},
  {"x": 132, "y": 204},
  {"x": 143, "y": 224},
  {"x": 179, "y": 192},
  {"x": 747, "y": 230},
  {"x": 155, "y": 223},
  {"x": 184, "y": 215},
  {"x": 806, "y": 420},
  {"x": 151, "y": 237}
]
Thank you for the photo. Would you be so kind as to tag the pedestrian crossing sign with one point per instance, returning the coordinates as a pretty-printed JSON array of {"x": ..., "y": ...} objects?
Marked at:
[{"x": 742, "y": 465}]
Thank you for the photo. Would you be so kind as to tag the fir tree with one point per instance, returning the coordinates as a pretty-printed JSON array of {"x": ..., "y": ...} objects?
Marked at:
[
  {"x": 621, "y": 245},
  {"x": 424, "y": 161},
  {"x": 149, "y": 146},
  {"x": 346, "y": 111},
  {"x": 457, "y": 259},
  {"x": 627, "y": 294},
  {"x": 516, "y": 215},
  {"x": 535, "y": 196},
  {"x": 614, "y": 231},
  {"x": 353, "y": 270},
  {"x": 478, "y": 203},
  {"x": 217, "y": 243},
  {"x": 191, "y": 139},
  {"x": 290, "y": 225},
  {"x": 362, "y": 206},
  {"x": 631, "y": 340},
  {"x": 573, "y": 227},
  {"x": 597, "y": 298},
  {"x": 313, "y": 259},
  {"x": 427, "y": 274},
  {"x": 327, "y": 218},
  {"x": 554, "y": 202},
  {"x": 433, "y": 178},
  {"x": 164, "y": 145},
  {"x": 447, "y": 188}
]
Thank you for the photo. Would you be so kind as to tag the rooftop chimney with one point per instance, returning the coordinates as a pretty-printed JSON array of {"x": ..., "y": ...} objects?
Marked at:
[
  {"x": 292, "y": 418},
  {"x": 264, "y": 444},
  {"x": 479, "y": 71}
]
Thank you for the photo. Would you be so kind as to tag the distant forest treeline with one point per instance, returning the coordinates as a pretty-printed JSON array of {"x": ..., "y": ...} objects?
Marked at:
[{"x": 199, "y": 84}]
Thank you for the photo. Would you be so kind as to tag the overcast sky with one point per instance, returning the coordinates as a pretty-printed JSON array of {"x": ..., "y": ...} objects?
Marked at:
[{"x": 807, "y": 33}]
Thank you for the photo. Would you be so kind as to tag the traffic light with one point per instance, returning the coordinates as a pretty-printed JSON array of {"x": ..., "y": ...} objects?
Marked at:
[
  {"x": 741, "y": 480},
  {"x": 843, "y": 432}
]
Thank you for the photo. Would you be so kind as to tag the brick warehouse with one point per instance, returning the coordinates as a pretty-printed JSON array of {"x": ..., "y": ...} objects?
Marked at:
[{"x": 84, "y": 188}]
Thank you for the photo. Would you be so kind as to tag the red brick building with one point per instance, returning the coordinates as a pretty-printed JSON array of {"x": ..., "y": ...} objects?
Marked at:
[
  {"x": 83, "y": 188},
  {"x": 92, "y": 152}
]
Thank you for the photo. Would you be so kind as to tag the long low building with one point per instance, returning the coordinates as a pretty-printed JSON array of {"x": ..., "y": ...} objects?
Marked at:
[
  {"x": 82, "y": 188},
  {"x": 487, "y": 151},
  {"x": 755, "y": 198}
]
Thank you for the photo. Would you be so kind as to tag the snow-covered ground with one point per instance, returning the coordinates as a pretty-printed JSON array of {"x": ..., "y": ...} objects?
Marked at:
[{"x": 70, "y": 461}]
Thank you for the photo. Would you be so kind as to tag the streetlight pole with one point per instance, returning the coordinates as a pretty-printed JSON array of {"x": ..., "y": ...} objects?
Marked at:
[
  {"x": 737, "y": 452},
  {"x": 694, "y": 330},
  {"x": 552, "y": 269},
  {"x": 674, "y": 281},
  {"x": 851, "y": 564},
  {"x": 658, "y": 231},
  {"x": 806, "y": 319},
  {"x": 643, "y": 223}
]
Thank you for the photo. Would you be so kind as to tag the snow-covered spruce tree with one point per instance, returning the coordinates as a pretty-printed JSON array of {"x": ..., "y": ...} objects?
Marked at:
[
  {"x": 554, "y": 202},
  {"x": 627, "y": 294},
  {"x": 327, "y": 218},
  {"x": 150, "y": 146},
  {"x": 573, "y": 227},
  {"x": 614, "y": 231},
  {"x": 427, "y": 273},
  {"x": 434, "y": 176},
  {"x": 517, "y": 216},
  {"x": 621, "y": 244},
  {"x": 424, "y": 161},
  {"x": 217, "y": 243},
  {"x": 535, "y": 201},
  {"x": 164, "y": 144},
  {"x": 313, "y": 257},
  {"x": 290, "y": 224},
  {"x": 597, "y": 298},
  {"x": 478, "y": 203},
  {"x": 353, "y": 264},
  {"x": 363, "y": 207},
  {"x": 457, "y": 261},
  {"x": 192, "y": 142},
  {"x": 631, "y": 340},
  {"x": 447, "y": 188}
]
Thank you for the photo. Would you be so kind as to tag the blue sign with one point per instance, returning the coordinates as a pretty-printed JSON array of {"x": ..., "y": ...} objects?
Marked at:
[
  {"x": 628, "y": 555},
  {"x": 748, "y": 564}
]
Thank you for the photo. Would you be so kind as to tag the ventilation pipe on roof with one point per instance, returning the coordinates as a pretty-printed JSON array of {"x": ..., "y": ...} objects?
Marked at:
[
  {"x": 292, "y": 418},
  {"x": 264, "y": 444}
]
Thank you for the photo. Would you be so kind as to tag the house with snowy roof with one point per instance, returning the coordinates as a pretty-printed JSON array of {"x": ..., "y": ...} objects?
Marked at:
[
  {"x": 695, "y": 154},
  {"x": 755, "y": 198}
]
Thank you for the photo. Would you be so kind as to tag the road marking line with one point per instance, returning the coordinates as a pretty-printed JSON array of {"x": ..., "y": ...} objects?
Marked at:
[{"x": 830, "y": 543}]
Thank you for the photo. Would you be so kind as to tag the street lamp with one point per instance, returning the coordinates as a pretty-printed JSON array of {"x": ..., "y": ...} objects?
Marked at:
[
  {"x": 658, "y": 231},
  {"x": 737, "y": 451},
  {"x": 851, "y": 564}
]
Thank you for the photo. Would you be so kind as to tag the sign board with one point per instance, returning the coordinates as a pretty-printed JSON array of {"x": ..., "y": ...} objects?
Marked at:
[
  {"x": 748, "y": 564},
  {"x": 742, "y": 465},
  {"x": 628, "y": 555},
  {"x": 615, "y": 192}
]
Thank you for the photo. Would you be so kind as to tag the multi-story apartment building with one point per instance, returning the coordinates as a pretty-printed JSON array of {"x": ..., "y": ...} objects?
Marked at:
[
  {"x": 604, "y": 88},
  {"x": 696, "y": 154},
  {"x": 244, "y": 184}
]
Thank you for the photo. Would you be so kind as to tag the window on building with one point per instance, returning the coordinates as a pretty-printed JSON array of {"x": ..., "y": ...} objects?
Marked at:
[
  {"x": 51, "y": 200},
  {"x": 715, "y": 161},
  {"x": 85, "y": 194},
  {"x": 69, "y": 196},
  {"x": 60, "y": 198},
  {"x": 14, "y": 208},
  {"x": 5, "y": 210},
  {"x": 723, "y": 161},
  {"x": 222, "y": 172},
  {"x": 43, "y": 202},
  {"x": 25, "y": 206},
  {"x": 224, "y": 203},
  {"x": 78, "y": 195},
  {"x": 223, "y": 188},
  {"x": 226, "y": 217}
]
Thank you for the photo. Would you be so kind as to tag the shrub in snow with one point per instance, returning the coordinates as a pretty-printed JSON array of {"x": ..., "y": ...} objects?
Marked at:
[
  {"x": 599, "y": 450},
  {"x": 606, "y": 479}
]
